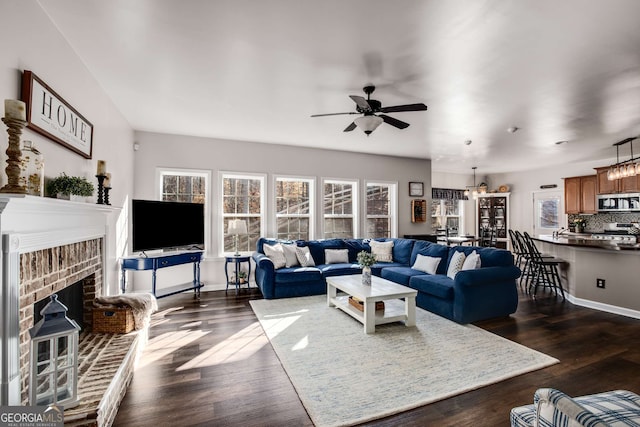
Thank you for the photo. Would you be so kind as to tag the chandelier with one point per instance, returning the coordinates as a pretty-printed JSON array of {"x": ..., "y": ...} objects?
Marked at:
[
  {"x": 474, "y": 189},
  {"x": 627, "y": 167}
]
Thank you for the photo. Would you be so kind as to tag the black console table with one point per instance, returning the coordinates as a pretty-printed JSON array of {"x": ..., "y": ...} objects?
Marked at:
[{"x": 155, "y": 262}]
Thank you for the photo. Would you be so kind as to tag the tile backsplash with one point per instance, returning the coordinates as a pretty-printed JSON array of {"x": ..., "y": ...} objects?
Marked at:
[{"x": 595, "y": 223}]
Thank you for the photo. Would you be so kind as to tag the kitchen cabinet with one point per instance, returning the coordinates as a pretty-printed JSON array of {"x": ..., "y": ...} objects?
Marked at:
[
  {"x": 580, "y": 194},
  {"x": 630, "y": 184},
  {"x": 493, "y": 214},
  {"x": 588, "y": 187},
  {"x": 604, "y": 185}
]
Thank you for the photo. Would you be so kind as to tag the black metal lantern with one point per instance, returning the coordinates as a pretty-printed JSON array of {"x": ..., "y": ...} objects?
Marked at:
[{"x": 53, "y": 375}]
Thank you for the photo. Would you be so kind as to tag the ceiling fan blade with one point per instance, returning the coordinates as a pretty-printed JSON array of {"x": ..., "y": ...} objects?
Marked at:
[
  {"x": 333, "y": 114},
  {"x": 351, "y": 127},
  {"x": 401, "y": 108},
  {"x": 362, "y": 103},
  {"x": 394, "y": 122}
]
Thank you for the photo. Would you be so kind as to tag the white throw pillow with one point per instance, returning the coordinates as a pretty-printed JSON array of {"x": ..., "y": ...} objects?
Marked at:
[
  {"x": 428, "y": 264},
  {"x": 276, "y": 254},
  {"x": 336, "y": 256},
  {"x": 382, "y": 250},
  {"x": 472, "y": 262},
  {"x": 304, "y": 256},
  {"x": 290, "y": 255},
  {"x": 457, "y": 260}
]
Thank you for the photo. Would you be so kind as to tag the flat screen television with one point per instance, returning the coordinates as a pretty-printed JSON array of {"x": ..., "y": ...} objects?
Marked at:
[{"x": 167, "y": 225}]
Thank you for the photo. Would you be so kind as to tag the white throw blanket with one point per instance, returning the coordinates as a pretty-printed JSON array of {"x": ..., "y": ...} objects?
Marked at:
[{"x": 142, "y": 305}]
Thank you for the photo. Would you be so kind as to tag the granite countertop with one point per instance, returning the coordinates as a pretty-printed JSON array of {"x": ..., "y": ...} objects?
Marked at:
[{"x": 584, "y": 240}]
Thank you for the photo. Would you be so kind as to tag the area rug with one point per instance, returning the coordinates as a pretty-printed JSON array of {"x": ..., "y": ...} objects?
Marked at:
[{"x": 344, "y": 376}]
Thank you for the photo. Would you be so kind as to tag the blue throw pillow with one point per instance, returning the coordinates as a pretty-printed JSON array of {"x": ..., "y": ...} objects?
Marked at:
[
  {"x": 356, "y": 246},
  {"x": 402, "y": 250}
]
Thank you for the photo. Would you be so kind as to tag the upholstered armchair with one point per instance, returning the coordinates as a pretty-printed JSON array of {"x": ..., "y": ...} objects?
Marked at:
[{"x": 553, "y": 408}]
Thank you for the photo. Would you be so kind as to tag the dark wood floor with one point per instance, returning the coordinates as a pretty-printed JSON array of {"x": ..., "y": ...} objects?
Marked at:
[{"x": 240, "y": 382}]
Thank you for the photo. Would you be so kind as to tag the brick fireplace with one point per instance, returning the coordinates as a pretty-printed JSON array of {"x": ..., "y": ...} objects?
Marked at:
[
  {"x": 47, "y": 245},
  {"x": 48, "y": 271}
]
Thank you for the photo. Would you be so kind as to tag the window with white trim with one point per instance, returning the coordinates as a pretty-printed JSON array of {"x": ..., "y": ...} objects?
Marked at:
[
  {"x": 294, "y": 208},
  {"x": 447, "y": 214},
  {"x": 242, "y": 198},
  {"x": 340, "y": 201},
  {"x": 189, "y": 186},
  {"x": 380, "y": 208}
]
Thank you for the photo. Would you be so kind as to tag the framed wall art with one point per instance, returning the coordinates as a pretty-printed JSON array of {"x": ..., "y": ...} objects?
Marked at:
[
  {"x": 416, "y": 189},
  {"x": 51, "y": 116}
]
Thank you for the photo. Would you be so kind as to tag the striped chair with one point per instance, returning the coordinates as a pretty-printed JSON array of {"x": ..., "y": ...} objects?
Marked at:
[{"x": 553, "y": 408}]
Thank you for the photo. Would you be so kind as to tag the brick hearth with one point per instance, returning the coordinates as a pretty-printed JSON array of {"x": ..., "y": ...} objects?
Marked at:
[{"x": 105, "y": 368}]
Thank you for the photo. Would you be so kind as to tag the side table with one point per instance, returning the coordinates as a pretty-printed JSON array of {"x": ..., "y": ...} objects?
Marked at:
[{"x": 237, "y": 261}]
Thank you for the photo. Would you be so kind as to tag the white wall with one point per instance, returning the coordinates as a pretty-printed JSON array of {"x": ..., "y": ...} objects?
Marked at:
[
  {"x": 29, "y": 41},
  {"x": 162, "y": 150}
]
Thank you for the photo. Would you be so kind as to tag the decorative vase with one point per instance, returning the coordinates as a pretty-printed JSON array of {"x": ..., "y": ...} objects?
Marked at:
[
  {"x": 366, "y": 276},
  {"x": 579, "y": 229},
  {"x": 32, "y": 169}
]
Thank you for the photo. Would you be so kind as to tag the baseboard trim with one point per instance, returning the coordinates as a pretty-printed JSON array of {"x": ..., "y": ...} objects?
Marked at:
[{"x": 603, "y": 307}]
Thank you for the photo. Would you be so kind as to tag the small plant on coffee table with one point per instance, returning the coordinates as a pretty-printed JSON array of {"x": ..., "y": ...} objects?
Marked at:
[{"x": 366, "y": 259}]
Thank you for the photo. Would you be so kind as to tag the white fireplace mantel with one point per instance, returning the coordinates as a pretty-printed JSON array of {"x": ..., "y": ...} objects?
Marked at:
[{"x": 30, "y": 223}]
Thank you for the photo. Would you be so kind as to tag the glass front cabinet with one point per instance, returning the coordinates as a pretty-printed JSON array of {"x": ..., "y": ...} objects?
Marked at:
[{"x": 492, "y": 219}]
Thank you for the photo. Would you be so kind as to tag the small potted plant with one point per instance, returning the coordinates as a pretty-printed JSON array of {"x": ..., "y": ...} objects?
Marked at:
[
  {"x": 579, "y": 225},
  {"x": 366, "y": 260},
  {"x": 65, "y": 186},
  {"x": 242, "y": 275}
]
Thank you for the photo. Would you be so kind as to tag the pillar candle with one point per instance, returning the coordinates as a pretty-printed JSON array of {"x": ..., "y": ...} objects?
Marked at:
[
  {"x": 107, "y": 181},
  {"x": 14, "y": 109},
  {"x": 102, "y": 167}
]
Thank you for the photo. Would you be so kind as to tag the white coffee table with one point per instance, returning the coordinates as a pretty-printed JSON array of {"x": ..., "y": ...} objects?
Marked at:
[{"x": 380, "y": 290}]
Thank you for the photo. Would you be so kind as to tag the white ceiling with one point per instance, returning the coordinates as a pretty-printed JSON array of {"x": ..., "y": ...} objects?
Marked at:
[{"x": 256, "y": 70}]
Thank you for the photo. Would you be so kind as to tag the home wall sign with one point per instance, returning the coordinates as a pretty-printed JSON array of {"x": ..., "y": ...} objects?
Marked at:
[{"x": 51, "y": 116}]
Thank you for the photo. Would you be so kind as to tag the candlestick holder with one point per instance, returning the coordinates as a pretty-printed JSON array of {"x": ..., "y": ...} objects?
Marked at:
[
  {"x": 101, "y": 179},
  {"x": 106, "y": 195},
  {"x": 14, "y": 154}
]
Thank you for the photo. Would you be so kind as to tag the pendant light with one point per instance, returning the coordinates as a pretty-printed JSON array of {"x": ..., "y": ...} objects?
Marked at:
[
  {"x": 474, "y": 189},
  {"x": 626, "y": 168}
]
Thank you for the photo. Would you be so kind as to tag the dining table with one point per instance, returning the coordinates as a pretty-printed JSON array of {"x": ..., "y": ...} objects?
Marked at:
[{"x": 461, "y": 240}]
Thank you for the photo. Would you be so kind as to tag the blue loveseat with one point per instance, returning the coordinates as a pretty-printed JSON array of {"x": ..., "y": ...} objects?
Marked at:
[{"x": 473, "y": 295}]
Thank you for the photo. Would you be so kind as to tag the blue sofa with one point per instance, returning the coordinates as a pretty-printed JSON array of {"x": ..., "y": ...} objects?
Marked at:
[{"x": 474, "y": 295}]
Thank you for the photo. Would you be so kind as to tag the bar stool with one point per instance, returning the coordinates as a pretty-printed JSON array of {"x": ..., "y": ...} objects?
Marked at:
[
  {"x": 516, "y": 249},
  {"x": 526, "y": 266},
  {"x": 544, "y": 271}
]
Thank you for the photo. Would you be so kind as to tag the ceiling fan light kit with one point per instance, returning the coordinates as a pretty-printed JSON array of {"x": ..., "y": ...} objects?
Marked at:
[
  {"x": 369, "y": 107},
  {"x": 368, "y": 123}
]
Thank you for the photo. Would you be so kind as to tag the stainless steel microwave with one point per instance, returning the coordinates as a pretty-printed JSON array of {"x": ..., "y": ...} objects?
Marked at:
[{"x": 629, "y": 202}]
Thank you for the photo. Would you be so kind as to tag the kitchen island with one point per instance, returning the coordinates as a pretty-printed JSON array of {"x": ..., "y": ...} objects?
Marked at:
[{"x": 590, "y": 261}]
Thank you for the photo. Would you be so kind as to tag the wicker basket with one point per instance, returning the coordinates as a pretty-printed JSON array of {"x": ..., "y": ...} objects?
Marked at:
[
  {"x": 360, "y": 305},
  {"x": 113, "y": 320}
]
